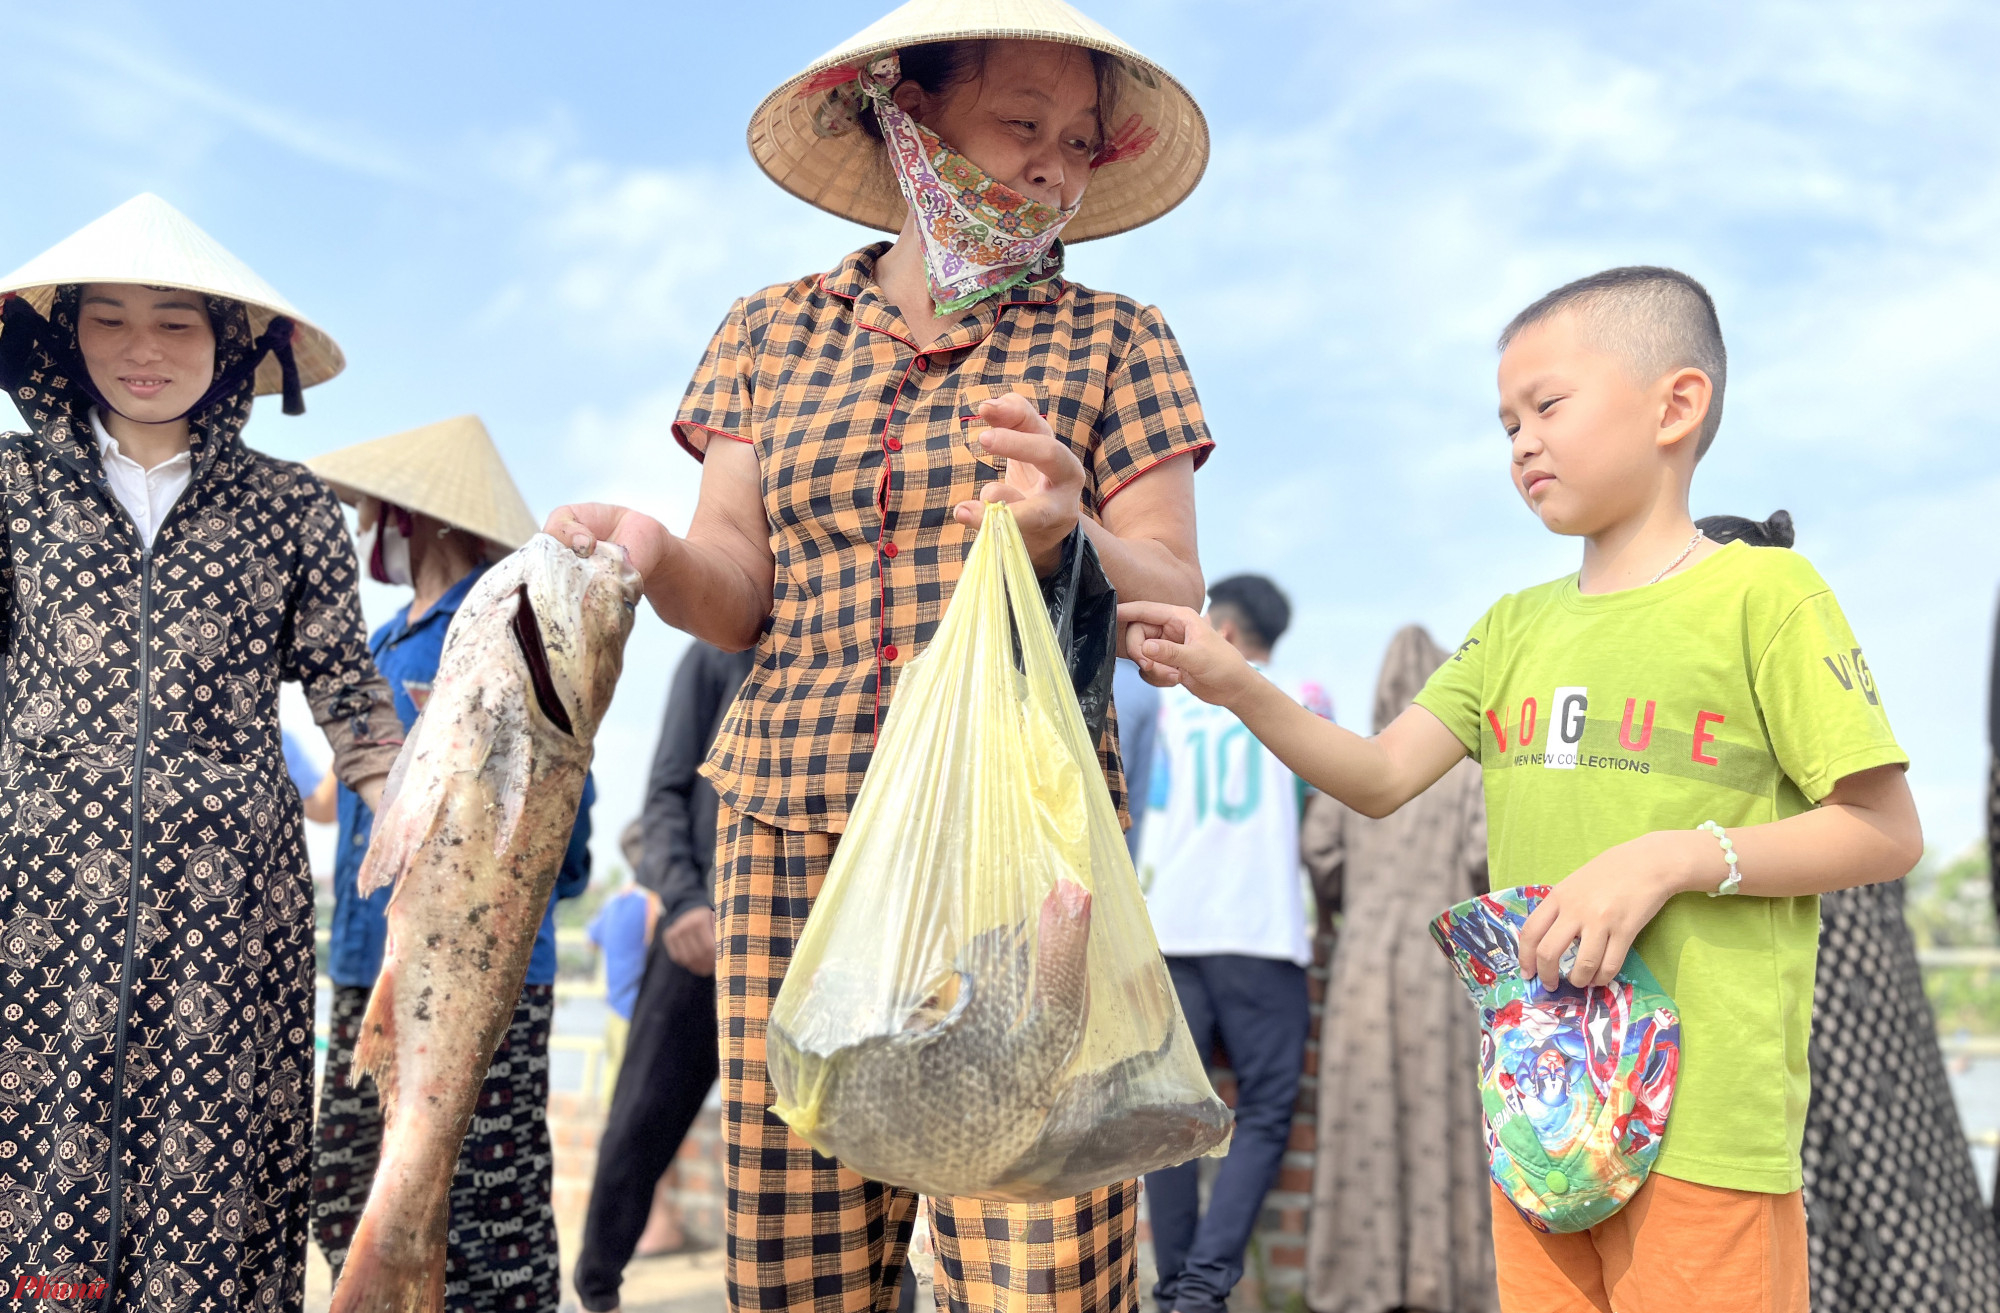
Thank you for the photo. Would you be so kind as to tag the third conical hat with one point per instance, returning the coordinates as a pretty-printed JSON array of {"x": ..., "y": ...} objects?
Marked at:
[
  {"x": 838, "y": 167},
  {"x": 450, "y": 471},
  {"x": 149, "y": 242}
]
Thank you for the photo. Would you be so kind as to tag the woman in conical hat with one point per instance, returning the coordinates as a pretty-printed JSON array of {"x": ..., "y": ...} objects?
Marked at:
[
  {"x": 436, "y": 506},
  {"x": 851, "y": 422},
  {"x": 158, "y": 581}
]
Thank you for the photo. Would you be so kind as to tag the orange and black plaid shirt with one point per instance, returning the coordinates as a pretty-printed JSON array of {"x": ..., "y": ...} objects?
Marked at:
[{"x": 862, "y": 441}]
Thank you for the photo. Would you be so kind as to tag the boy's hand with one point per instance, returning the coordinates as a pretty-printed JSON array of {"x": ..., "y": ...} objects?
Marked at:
[
  {"x": 1602, "y": 907},
  {"x": 1173, "y": 645}
]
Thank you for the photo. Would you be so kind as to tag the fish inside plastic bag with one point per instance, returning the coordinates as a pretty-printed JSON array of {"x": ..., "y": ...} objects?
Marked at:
[{"x": 978, "y": 1006}]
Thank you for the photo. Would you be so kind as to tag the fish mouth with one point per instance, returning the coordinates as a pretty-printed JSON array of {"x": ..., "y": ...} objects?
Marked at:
[{"x": 528, "y": 637}]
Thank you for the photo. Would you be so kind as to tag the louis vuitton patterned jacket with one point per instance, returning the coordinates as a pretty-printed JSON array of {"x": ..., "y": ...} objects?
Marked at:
[{"x": 156, "y": 923}]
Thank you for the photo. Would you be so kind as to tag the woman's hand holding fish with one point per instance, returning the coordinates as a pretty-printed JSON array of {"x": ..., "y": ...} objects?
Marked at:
[
  {"x": 717, "y": 581},
  {"x": 585, "y": 524}
]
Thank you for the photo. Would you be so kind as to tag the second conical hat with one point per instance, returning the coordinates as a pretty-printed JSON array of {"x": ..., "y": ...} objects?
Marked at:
[
  {"x": 831, "y": 163},
  {"x": 149, "y": 242},
  {"x": 450, "y": 471}
]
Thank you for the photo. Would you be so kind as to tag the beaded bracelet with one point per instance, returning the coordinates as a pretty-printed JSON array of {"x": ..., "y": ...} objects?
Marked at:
[{"x": 1734, "y": 879}]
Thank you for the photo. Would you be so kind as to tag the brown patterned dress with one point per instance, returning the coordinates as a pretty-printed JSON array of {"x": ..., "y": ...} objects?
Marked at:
[
  {"x": 156, "y": 925},
  {"x": 1400, "y": 1214}
]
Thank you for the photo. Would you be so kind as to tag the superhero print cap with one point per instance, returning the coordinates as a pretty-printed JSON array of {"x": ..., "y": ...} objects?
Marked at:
[{"x": 1576, "y": 1083}]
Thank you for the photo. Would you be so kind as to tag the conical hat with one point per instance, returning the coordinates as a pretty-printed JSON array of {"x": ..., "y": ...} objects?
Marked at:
[
  {"x": 450, "y": 471},
  {"x": 848, "y": 174},
  {"x": 149, "y": 242}
]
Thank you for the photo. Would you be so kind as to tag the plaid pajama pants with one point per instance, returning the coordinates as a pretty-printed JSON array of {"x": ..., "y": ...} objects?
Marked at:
[{"x": 805, "y": 1232}]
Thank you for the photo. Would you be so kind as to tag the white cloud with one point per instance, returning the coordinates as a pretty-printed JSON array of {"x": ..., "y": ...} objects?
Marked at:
[
  {"x": 123, "y": 92},
  {"x": 644, "y": 260}
]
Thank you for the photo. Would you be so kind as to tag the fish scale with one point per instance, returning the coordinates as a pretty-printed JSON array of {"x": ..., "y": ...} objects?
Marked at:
[{"x": 990, "y": 1057}]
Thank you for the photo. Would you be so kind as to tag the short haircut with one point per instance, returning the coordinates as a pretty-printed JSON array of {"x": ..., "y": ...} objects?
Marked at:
[
  {"x": 1658, "y": 319},
  {"x": 1256, "y": 604}
]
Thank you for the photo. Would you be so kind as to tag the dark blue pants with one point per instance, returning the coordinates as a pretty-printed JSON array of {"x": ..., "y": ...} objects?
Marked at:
[
  {"x": 670, "y": 1062},
  {"x": 1256, "y": 1007}
]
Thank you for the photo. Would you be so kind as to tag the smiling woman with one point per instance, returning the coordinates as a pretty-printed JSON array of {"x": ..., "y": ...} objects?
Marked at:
[
  {"x": 851, "y": 423},
  {"x": 158, "y": 581},
  {"x": 150, "y": 350}
]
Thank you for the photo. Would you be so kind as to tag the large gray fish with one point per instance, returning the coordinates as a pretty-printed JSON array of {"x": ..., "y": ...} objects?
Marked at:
[
  {"x": 472, "y": 833},
  {"x": 974, "y": 1094},
  {"x": 961, "y": 1092}
]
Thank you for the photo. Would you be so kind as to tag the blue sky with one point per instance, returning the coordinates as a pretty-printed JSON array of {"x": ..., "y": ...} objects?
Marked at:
[{"x": 538, "y": 213}]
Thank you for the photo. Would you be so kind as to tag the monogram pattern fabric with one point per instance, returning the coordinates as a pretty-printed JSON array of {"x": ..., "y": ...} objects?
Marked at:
[
  {"x": 156, "y": 958},
  {"x": 1894, "y": 1221},
  {"x": 863, "y": 446}
]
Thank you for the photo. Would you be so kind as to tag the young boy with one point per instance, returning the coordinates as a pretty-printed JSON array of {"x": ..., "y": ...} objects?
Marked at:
[{"x": 1670, "y": 682}]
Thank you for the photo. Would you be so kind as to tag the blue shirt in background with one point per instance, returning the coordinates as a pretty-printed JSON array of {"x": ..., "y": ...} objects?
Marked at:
[
  {"x": 1138, "y": 706},
  {"x": 619, "y": 928},
  {"x": 407, "y": 655},
  {"x": 305, "y": 775}
]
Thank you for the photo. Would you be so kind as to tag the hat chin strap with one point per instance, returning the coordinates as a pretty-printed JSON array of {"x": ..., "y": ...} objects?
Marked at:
[{"x": 277, "y": 341}]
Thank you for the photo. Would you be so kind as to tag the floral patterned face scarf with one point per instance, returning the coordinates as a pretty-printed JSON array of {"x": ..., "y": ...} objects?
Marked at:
[{"x": 980, "y": 237}]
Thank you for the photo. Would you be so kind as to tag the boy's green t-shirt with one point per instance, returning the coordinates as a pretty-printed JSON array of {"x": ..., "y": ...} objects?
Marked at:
[{"x": 1732, "y": 692}]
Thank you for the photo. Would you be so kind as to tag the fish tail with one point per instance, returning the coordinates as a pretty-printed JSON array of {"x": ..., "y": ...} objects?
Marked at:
[
  {"x": 388, "y": 1273},
  {"x": 1066, "y": 912},
  {"x": 375, "y": 1050}
]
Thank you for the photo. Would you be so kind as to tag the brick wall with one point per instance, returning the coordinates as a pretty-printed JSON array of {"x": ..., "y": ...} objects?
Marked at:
[
  {"x": 1274, "y": 1272},
  {"x": 575, "y": 1121}
]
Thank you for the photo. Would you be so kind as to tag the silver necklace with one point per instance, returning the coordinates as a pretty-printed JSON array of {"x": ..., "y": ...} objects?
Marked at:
[{"x": 1685, "y": 553}]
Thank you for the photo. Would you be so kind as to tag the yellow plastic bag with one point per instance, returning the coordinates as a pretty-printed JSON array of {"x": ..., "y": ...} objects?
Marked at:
[{"x": 978, "y": 1005}]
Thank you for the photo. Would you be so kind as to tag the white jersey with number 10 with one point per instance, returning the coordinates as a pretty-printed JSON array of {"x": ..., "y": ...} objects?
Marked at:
[{"x": 1219, "y": 857}]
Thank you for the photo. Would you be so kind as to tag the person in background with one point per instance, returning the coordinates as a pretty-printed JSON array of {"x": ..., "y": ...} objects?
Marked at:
[
  {"x": 316, "y": 788},
  {"x": 624, "y": 929},
  {"x": 1401, "y": 1215},
  {"x": 1220, "y": 866},
  {"x": 1138, "y": 722},
  {"x": 671, "y": 1059},
  {"x": 1893, "y": 1214},
  {"x": 159, "y": 582},
  {"x": 621, "y": 930},
  {"x": 436, "y": 506}
]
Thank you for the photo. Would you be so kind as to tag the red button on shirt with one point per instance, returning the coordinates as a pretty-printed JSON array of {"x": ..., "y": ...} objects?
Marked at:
[
  {"x": 889, "y": 549},
  {"x": 923, "y": 362},
  {"x": 893, "y": 443},
  {"x": 889, "y": 652}
]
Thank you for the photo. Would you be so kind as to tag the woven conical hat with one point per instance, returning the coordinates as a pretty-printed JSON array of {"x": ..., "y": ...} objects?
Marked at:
[
  {"x": 849, "y": 174},
  {"x": 149, "y": 242},
  {"x": 450, "y": 471}
]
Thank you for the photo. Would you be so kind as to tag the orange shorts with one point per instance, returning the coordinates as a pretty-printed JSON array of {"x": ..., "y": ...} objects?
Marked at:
[{"x": 1677, "y": 1247}]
